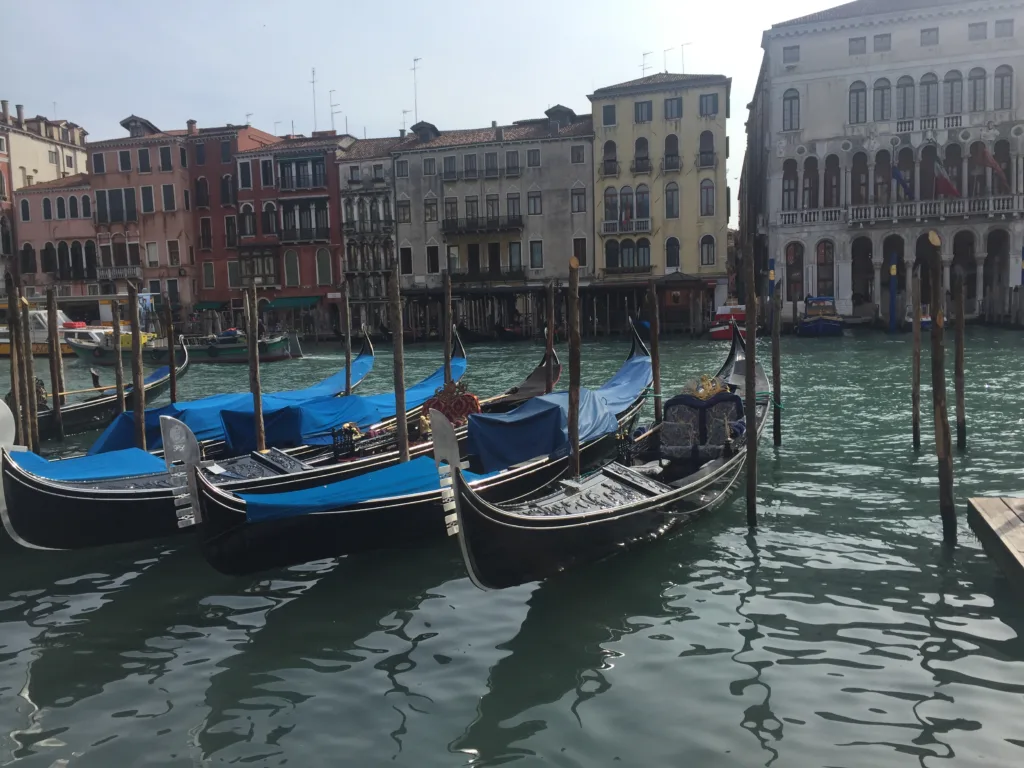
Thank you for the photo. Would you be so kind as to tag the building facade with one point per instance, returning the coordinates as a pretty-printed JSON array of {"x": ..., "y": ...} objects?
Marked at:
[
  {"x": 873, "y": 124},
  {"x": 662, "y": 201}
]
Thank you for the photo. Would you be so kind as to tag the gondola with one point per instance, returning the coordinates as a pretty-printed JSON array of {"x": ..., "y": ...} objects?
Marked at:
[
  {"x": 683, "y": 467},
  {"x": 98, "y": 412},
  {"x": 513, "y": 455},
  {"x": 123, "y": 496}
]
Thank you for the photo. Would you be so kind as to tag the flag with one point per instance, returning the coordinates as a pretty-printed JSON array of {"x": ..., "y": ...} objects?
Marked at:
[
  {"x": 898, "y": 176},
  {"x": 997, "y": 169},
  {"x": 943, "y": 185}
]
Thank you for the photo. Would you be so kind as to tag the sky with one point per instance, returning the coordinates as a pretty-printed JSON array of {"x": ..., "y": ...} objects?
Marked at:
[{"x": 229, "y": 61}]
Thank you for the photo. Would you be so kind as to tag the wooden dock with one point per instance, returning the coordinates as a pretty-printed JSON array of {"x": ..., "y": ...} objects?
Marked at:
[{"x": 999, "y": 524}]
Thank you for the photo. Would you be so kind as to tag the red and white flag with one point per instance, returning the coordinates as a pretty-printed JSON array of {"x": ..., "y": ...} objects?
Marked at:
[
  {"x": 943, "y": 185},
  {"x": 997, "y": 169}
]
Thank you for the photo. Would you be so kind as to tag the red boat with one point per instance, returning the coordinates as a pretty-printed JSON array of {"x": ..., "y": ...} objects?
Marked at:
[{"x": 721, "y": 328}]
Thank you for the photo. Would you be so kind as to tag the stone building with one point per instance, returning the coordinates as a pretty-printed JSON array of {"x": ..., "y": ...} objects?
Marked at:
[{"x": 873, "y": 123}]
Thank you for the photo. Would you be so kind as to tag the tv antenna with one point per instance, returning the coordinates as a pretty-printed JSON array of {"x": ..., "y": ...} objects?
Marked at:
[
  {"x": 415, "y": 94},
  {"x": 682, "y": 56},
  {"x": 665, "y": 55},
  {"x": 645, "y": 66},
  {"x": 404, "y": 113},
  {"x": 313, "y": 81},
  {"x": 330, "y": 100},
  {"x": 247, "y": 116}
]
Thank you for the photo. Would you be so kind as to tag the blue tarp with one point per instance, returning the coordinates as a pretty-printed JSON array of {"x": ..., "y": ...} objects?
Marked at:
[
  {"x": 619, "y": 392},
  {"x": 416, "y": 476},
  {"x": 126, "y": 463},
  {"x": 290, "y": 424},
  {"x": 203, "y": 416}
]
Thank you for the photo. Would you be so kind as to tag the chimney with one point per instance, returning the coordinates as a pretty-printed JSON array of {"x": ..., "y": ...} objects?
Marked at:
[
  {"x": 5, "y": 112},
  {"x": 494, "y": 123},
  {"x": 499, "y": 133},
  {"x": 323, "y": 134},
  {"x": 20, "y": 109},
  {"x": 192, "y": 129},
  {"x": 553, "y": 126},
  {"x": 401, "y": 133}
]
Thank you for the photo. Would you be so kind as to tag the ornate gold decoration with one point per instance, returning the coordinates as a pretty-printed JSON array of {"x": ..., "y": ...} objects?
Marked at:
[
  {"x": 351, "y": 429},
  {"x": 707, "y": 387}
]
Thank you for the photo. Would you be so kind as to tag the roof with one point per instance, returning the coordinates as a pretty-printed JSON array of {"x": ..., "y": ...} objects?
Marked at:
[
  {"x": 305, "y": 143},
  {"x": 75, "y": 180},
  {"x": 534, "y": 130},
  {"x": 363, "y": 149},
  {"x": 658, "y": 82},
  {"x": 866, "y": 8}
]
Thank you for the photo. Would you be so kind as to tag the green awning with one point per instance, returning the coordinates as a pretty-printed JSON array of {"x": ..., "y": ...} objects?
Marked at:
[
  {"x": 201, "y": 306},
  {"x": 293, "y": 302}
]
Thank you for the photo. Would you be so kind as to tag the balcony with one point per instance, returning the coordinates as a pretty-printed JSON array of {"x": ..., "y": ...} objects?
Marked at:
[
  {"x": 626, "y": 227},
  {"x": 1000, "y": 206},
  {"x": 608, "y": 168},
  {"x": 382, "y": 179},
  {"x": 636, "y": 269},
  {"x": 371, "y": 227},
  {"x": 671, "y": 164},
  {"x": 449, "y": 175},
  {"x": 119, "y": 273},
  {"x": 354, "y": 181},
  {"x": 904, "y": 126},
  {"x": 286, "y": 184},
  {"x": 641, "y": 165},
  {"x": 481, "y": 224},
  {"x": 817, "y": 216},
  {"x": 469, "y": 174},
  {"x": 707, "y": 159},
  {"x": 953, "y": 121},
  {"x": 305, "y": 234},
  {"x": 511, "y": 171},
  {"x": 929, "y": 123},
  {"x": 491, "y": 173},
  {"x": 504, "y": 274}
]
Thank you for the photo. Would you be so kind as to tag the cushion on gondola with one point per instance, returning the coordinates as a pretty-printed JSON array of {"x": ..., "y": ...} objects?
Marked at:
[
  {"x": 106, "y": 466},
  {"x": 696, "y": 427}
]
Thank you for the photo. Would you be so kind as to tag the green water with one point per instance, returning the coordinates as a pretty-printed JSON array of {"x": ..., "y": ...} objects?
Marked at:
[{"x": 841, "y": 634}]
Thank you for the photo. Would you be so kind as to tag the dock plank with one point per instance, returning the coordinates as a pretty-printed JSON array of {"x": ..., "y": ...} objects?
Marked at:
[{"x": 999, "y": 525}]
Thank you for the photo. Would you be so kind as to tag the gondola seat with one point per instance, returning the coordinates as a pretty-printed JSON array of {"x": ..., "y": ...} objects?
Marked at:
[
  {"x": 700, "y": 423},
  {"x": 454, "y": 401}
]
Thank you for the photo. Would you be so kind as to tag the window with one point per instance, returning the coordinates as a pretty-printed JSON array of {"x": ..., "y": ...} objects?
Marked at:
[
  {"x": 707, "y": 251},
  {"x": 404, "y": 211},
  {"x": 430, "y": 209},
  {"x": 98, "y": 165},
  {"x": 429, "y": 166},
  {"x": 791, "y": 54},
  {"x": 576, "y": 154},
  {"x": 512, "y": 163},
  {"x": 643, "y": 111},
  {"x": 378, "y": 171},
  {"x": 791, "y": 110},
  {"x": 672, "y": 253},
  {"x": 976, "y": 90},
  {"x": 227, "y": 190},
  {"x": 883, "y": 43},
  {"x": 953, "y": 93},
  {"x": 152, "y": 255},
  {"x": 512, "y": 204},
  {"x": 188, "y": 199},
  {"x": 674, "y": 108},
  {"x": 905, "y": 98},
  {"x": 671, "y": 200},
  {"x": 451, "y": 208},
  {"x": 1003, "y": 96},
  {"x": 124, "y": 160},
  {"x": 826, "y": 269},
  {"x": 267, "y": 173},
  {"x": 183, "y": 157},
  {"x": 533, "y": 158},
  {"x": 208, "y": 275},
  {"x": 627, "y": 253},
  {"x": 433, "y": 260},
  {"x": 102, "y": 214},
  {"x": 230, "y": 231},
  {"x": 402, "y": 168},
  {"x": 173, "y": 254},
  {"x": 579, "y": 200},
  {"x": 69, "y": 161},
  {"x": 323, "y": 267},
  {"x": 72, "y": 207},
  {"x": 270, "y": 219},
  {"x": 154, "y": 288},
  {"x": 493, "y": 207},
  {"x": 579, "y": 250},
  {"x": 858, "y": 103},
  {"x": 165, "y": 158},
  {"x": 148, "y": 204},
  {"x": 536, "y": 254},
  {"x": 405, "y": 260},
  {"x": 882, "y": 106},
  {"x": 225, "y": 151},
  {"x": 611, "y": 254},
  {"x": 291, "y": 269},
  {"x": 858, "y": 45},
  {"x": 3, "y": 144},
  {"x": 144, "y": 166},
  {"x": 709, "y": 105},
  {"x": 25, "y": 213},
  {"x": 643, "y": 202},
  {"x": 62, "y": 209},
  {"x": 449, "y": 171},
  {"x": 234, "y": 277},
  {"x": 608, "y": 114},
  {"x": 1004, "y": 28},
  {"x": 977, "y": 31},
  {"x": 47, "y": 209},
  {"x": 168, "y": 192},
  {"x": 469, "y": 166},
  {"x": 472, "y": 207},
  {"x": 245, "y": 174},
  {"x": 929, "y": 95},
  {"x": 53, "y": 157},
  {"x": 707, "y": 198},
  {"x": 201, "y": 154},
  {"x": 533, "y": 204},
  {"x": 192, "y": 260},
  {"x": 248, "y": 221},
  {"x": 205, "y": 234},
  {"x": 929, "y": 37}
]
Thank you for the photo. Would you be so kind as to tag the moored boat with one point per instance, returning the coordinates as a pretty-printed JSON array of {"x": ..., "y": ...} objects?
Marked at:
[
  {"x": 725, "y": 316},
  {"x": 820, "y": 317},
  {"x": 231, "y": 346}
]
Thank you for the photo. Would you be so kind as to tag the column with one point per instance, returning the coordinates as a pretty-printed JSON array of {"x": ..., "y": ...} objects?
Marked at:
[
  {"x": 979, "y": 280},
  {"x": 800, "y": 188},
  {"x": 878, "y": 265},
  {"x": 846, "y": 188},
  {"x": 844, "y": 279},
  {"x": 988, "y": 181},
  {"x": 947, "y": 286},
  {"x": 917, "y": 179},
  {"x": 871, "y": 183},
  {"x": 964, "y": 181},
  {"x": 821, "y": 188}
]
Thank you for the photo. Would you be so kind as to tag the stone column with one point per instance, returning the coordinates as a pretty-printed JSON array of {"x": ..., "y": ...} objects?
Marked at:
[
  {"x": 965, "y": 184},
  {"x": 988, "y": 181},
  {"x": 845, "y": 189},
  {"x": 844, "y": 282},
  {"x": 979, "y": 279},
  {"x": 871, "y": 184},
  {"x": 821, "y": 188},
  {"x": 800, "y": 189},
  {"x": 878, "y": 265},
  {"x": 917, "y": 180}
]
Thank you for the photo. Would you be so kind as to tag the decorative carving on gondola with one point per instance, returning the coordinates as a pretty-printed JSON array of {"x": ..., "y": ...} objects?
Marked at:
[
  {"x": 454, "y": 401},
  {"x": 705, "y": 387}
]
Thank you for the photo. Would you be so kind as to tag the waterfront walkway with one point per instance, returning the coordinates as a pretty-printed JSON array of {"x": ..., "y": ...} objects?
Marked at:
[{"x": 999, "y": 524}]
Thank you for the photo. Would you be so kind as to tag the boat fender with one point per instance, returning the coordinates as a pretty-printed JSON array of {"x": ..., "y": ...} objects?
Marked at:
[
  {"x": 212, "y": 350},
  {"x": 97, "y": 352}
]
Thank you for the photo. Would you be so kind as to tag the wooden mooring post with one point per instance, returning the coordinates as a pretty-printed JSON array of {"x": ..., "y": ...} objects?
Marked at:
[
  {"x": 169, "y": 330},
  {"x": 574, "y": 365},
  {"x": 138, "y": 388},
  {"x": 655, "y": 318},
  {"x": 115, "y": 316},
  {"x": 446, "y": 315},
  {"x": 958, "y": 369},
  {"x": 346, "y": 332},
  {"x": 17, "y": 394},
  {"x": 915, "y": 376},
  {"x": 30, "y": 375},
  {"x": 750, "y": 384},
  {"x": 947, "y": 510},
  {"x": 252, "y": 333},
  {"x": 549, "y": 356},
  {"x": 398, "y": 346},
  {"x": 53, "y": 339},
  {"x": 776, "y": 366}
]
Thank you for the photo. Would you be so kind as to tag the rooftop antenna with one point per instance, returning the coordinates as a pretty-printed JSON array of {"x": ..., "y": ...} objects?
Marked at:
[
  {"x": 665, "y": 55},
  {"x": 645, "y": 66},
  {"x": 247, "y": 116},
  {"x": 330, "y": 100},
  {"x": 55, "y": 110},
  {"x": 682, "y": 56},
  {"x": 364, "y": 132},
  {"x": 404, "y": 113},
  {"x": 313, "y": 81},
  {"x": 346, "y": 123},
  {"x": 415, "y": 95},
  {"x": 293, "y": 127}
]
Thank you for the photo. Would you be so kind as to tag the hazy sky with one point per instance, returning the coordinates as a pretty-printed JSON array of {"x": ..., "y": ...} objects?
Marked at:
[{"x": 216, "y": 60}]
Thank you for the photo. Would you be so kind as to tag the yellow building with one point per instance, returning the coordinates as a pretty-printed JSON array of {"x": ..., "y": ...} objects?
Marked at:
[{"x": 661, "y": 199}]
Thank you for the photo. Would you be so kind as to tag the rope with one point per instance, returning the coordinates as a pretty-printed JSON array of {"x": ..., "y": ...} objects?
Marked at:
[{"x": 771, "y": 399}]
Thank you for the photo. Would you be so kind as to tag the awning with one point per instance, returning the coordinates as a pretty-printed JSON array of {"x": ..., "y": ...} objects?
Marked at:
[
  {"x": 201, "y": 306},
  {"x": 293, "y": 302}
]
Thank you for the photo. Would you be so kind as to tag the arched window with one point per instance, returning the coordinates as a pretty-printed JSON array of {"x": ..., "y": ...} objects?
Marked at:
[
  {"x": 929, "y": 95},
  {"x": 47, "y": 209},
  {"x": 627, "y": 254},
  {"x": 641, "y": 161},
  {"x": 49, "y": 259},
  {"x": 791, "y": 110},
  {"x": 28, "y": 259},
  {"x": 672, "y": 253},
  {"x": 202, "y": 192},
  {"x": 707, "y": 251},
  {"x": 611, "y": 254},
  {"x": 706, "y": 156},
  {"x": 247, "y": 221},
  {"x": 227, "y": 190},
  {"x": 1003, "y": 98},
  {"x": 643, "y": 202},
  {"x": 323, "y": 267},
  {"x": 86, "y": 207},
  {"x": 63, "y": 261},
  {"x": 72, "y": 207},
  {"x": 348, "y": 209},
  {"x": 825, "y": 258},
  {"x": 610, "y": 159},
  {"x": 953, "y": 93},
  {"x": 361, "y": 209},
  {"x": 671, "y": 152},
  {"x": 611, "y": 204},
  {"x": 789, "y": 182},
  {"x": 3, "y": 185},
  {"x": 643, "y": 252},
  {"x": 859, "y": 179},
  {"x": 62, "y": 208},
  {"x": 905, "y": 98},
  {"x": 269, "y": 219},
  {"x": 707, "y": 198},
  {"x": 387, "y": 209},
  {"x": 90, "y": 260},
  {"x": 976, "y": 90},
  {"x": 25, "y": 214},
  {"x": 640, "y": 148},
  {"x": 858, "y": 103},
  {"x": 626, "y": 206},
  {"x": 671, "y": 200},
  {"x": 77, "y": 262},
  {"x": 5, "y": 237},
  {"x": 795, "y": 272},
  {"x": 291, "y": 269},
  {"x": 882, "y": 100}
]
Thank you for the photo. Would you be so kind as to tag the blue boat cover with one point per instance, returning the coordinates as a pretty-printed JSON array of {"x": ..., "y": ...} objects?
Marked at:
[
  {"x": 416, "y": 476},
  {"x": 619, "y": 392},
  {"x": 203, "y": 416},
  {"x": 126, "y": 463},
  {"x": 289, "y": 424}
]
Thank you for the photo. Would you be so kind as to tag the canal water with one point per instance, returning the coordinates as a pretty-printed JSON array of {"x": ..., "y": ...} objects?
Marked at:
[{"x": 841, "y": 634}]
